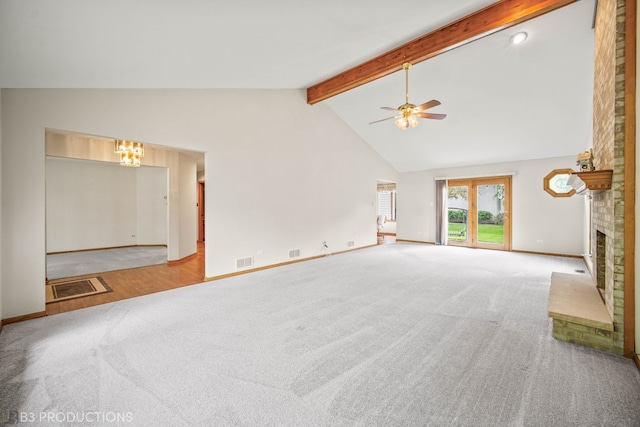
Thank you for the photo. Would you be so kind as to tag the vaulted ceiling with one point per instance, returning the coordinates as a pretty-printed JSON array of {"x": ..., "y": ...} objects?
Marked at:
[{"x": 503, "y": 102}]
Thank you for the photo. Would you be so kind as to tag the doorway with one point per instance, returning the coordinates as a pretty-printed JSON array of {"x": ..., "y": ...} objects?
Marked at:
[
  {"x": 92, "y": 202},
  {"x": 479, "y": 212},
  {"x": 386, "y": 211}
]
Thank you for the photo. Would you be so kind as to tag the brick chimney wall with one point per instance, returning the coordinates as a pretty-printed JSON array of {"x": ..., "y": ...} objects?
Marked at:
[{"x": 608, "y": 149}]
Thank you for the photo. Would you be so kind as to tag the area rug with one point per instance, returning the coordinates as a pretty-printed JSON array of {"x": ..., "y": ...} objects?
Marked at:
[{"x": 75, "y": 288}]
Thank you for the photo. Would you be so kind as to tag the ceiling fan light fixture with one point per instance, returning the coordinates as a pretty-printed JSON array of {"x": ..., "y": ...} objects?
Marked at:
[
  {"x": 402, "y": 123},
  {"x": 408, "y": 114},
  {"x": 405, "y": 122},
  {"x": 518, "y": 38}
]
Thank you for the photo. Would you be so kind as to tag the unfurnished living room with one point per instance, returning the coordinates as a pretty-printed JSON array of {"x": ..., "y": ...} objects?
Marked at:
[{"x": 319, "y": 213}]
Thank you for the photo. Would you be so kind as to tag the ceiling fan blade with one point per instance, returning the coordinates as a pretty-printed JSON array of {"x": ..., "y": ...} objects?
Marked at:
[
  {"x": 429, "y": 104},
  {"x": 382, "y": 120},
  {"x": 395, "y": 110},
  {"x": 431, "y": 116}
]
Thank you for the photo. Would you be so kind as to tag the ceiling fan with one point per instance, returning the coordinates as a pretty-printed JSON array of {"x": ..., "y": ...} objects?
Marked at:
[{"x": 408, "y": 114}]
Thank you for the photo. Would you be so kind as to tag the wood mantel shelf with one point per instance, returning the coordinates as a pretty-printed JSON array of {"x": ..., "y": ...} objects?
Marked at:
[{"x": 596, "y": 180}]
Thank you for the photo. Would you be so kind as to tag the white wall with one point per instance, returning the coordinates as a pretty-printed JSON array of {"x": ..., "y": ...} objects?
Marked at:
[
  {"x": 188, "y": 204},
  {"x": 535, "y": 214},
  {"x": 152, "y": 206},
  {"x": 289, "y": 177},
  {"x": 93, "y": 205},
  {"x": 389, "y": 227},
  {"x": 89, "y": 205}
]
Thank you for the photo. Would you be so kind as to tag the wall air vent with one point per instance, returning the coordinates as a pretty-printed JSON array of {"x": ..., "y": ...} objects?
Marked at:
[
  {"x": 244, "y": 262},
  {"x": 294, "y": 253}
]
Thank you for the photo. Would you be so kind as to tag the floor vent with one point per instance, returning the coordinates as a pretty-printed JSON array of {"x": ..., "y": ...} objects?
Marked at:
[
  {"x": 244, "y": 262},
  {"x": 294, "y": 253},
  {"x": 351, "y": 243}
]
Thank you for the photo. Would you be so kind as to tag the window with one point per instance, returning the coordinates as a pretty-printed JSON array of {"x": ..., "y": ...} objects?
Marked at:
[
  {"x": 555, "y": 183},
  {"x": 387, "y": 204}
]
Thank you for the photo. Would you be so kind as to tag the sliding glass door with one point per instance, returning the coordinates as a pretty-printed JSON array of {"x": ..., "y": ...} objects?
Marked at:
[
  {"x": 458, "y": 212},
  {"x": 479, "y": 213}
]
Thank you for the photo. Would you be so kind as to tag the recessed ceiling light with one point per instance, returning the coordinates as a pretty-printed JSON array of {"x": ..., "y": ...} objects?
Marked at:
[{"x": 518, "y": 38}]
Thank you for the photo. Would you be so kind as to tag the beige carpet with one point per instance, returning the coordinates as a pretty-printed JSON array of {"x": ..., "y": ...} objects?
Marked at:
[
  {"x": 75, "y": 289},
  {"x": 393, "y": 335}
]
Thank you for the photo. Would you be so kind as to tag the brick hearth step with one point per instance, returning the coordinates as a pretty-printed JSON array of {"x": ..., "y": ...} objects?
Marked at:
[{"x": 578, "y": 312}]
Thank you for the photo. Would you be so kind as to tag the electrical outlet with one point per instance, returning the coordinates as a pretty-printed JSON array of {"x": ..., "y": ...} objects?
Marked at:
[
  {"x": 260, "y": 252},
  {"x": 539, "y": 241}
]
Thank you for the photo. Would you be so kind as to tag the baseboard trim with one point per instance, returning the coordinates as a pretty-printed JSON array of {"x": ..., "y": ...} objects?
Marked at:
[
  {"x": 512, "y": 250},
  {"x": 636, "y": 358},
  {"x": 103, "y": 249},
  {"x": 24, "y": 317},
  {"x": 0, "y": 326},
  {"x": 415, "y": 241},
  {"x": 178, "y": 261},
  {"x": 548, "y": 254},
  {"x": 280, "y": 264}
]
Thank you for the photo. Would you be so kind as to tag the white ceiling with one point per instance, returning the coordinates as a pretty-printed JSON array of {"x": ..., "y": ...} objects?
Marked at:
[{"x": 503, "y": 102}]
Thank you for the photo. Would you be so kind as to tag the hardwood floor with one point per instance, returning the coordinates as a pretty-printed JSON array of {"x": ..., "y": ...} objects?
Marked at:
[
  {"x": 136, "y": 282},
  {"x": 385, "y": 239},
  {"x": 140, "y": 281}
]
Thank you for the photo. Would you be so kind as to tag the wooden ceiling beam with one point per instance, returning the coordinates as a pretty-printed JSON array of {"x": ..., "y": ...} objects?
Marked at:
[{"x": 498, "y": 16}]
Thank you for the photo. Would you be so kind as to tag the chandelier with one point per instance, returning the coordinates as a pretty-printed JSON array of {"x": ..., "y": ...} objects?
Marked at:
[{"x": 130, "y": 152}]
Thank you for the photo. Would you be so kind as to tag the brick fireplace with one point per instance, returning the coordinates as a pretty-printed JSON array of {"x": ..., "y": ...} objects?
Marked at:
[
  {"x": 607, "y": 256},
  {"x": 607, "y": 228},
  {"x": 597, "y": 320},
  {"x": 600, "y": 261}
]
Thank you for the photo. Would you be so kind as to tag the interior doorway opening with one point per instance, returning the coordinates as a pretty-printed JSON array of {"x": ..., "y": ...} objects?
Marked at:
[
  {"x": 386, "y": 205},
  {"x": 134, "y": 209}
]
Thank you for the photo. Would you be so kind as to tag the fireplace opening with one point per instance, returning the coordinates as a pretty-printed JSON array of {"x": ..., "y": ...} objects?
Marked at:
[{"x": 601, "y": 259}]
